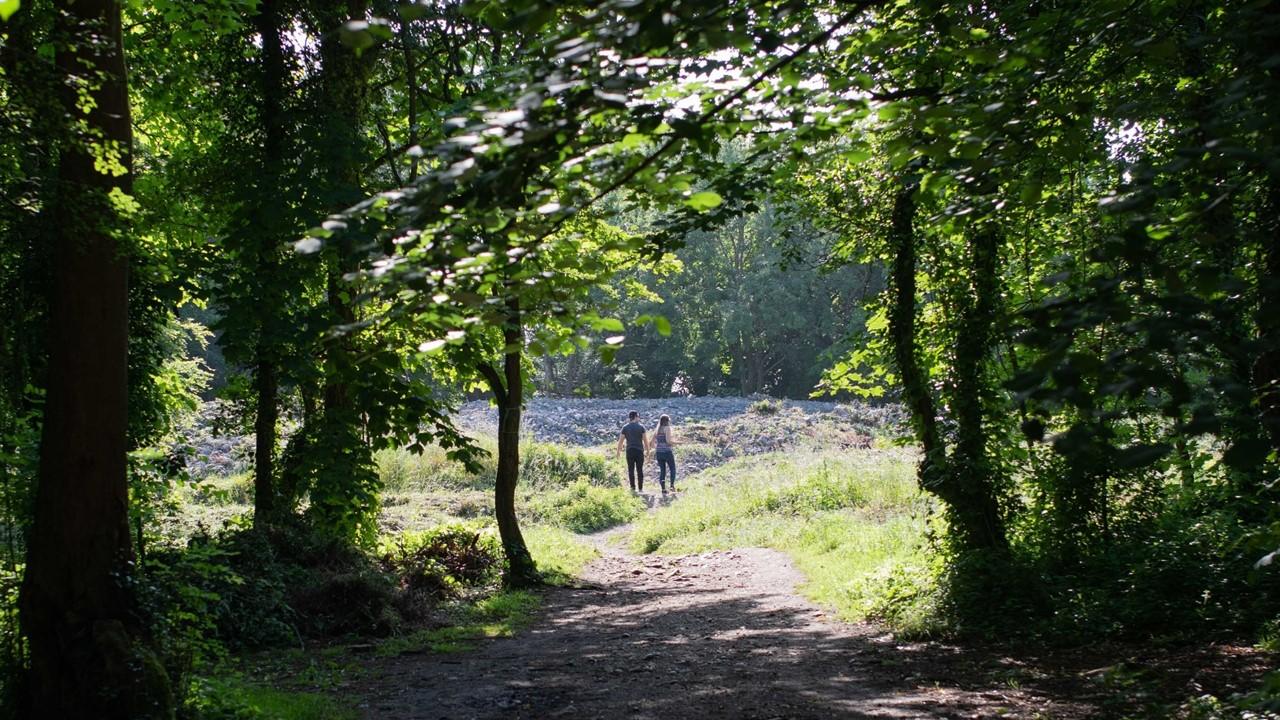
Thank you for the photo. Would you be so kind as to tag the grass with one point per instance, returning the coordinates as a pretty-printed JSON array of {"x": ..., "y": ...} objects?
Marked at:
[
  {"x": 498, "y": 615},
  {"x": 232, "y": 698},
  {"x": 560, "y": 555},
  {"x": 853, "y": 523},
  {"x": 583, "y": 507},
  {"x": 541, "y": 465}
]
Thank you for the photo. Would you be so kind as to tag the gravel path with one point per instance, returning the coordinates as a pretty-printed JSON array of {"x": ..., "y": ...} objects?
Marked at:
[{"x": 713, "y": 635}]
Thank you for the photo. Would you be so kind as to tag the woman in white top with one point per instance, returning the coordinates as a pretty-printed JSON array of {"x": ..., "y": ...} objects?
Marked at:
[{"x": 662, "y": 441}]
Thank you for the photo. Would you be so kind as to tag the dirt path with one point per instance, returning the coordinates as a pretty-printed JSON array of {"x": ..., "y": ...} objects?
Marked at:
[{"x": 715, "y": 635}]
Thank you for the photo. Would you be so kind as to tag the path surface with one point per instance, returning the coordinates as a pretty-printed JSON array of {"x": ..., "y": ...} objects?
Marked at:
[{"x": 724, "y": 635}]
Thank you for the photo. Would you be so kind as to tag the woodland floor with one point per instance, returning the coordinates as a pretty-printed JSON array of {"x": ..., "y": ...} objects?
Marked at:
[{"x": 725, "y": 635}]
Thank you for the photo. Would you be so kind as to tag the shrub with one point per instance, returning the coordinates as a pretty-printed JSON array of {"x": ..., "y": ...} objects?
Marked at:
[
  {"x": 544, "y": 465},
  {"x": 765, "y": 406},
  {"x": 360, "y": 601},
  {"x": 440, "y": 562},
  {"x": 583, "y": 507}
]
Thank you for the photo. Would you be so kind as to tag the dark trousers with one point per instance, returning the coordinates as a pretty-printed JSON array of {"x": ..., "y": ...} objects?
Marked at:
[
  {"x": 635, "y": 467},
  {"x": 666, "y": 460}
]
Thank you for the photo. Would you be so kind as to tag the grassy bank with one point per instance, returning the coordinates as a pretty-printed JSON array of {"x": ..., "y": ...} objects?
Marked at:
[{"x": 851, "y": 522}]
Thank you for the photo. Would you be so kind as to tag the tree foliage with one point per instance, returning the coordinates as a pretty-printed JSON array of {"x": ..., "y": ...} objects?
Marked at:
[{"x": 1048, "y": 230}]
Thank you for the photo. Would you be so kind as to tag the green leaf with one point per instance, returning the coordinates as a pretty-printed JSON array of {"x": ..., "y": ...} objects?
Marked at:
[
  {"x": 663, "y": 325},
  {"x": 1031, "y": 192},
  {"x": 879, "y": 321},
  {"x": 357, "y": 36},
  {"x": 703, "y": 201},
  {"x": 856, "y": 156},
  {"x": 8, "y": 8},
  {"x": 632, "y": 141},
  {"x": 412, "y": 11},
  {"x": 608, "y": 324}
]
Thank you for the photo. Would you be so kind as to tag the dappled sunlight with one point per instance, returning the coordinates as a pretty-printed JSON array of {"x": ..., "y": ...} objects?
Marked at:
[{"x": 636, "y": 641}]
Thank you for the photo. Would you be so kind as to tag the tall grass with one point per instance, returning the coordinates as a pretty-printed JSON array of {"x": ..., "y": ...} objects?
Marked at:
[
  {"x": 853, "y": 523},
  {"x": 583, "y": 508},
  {"x": 541, "y": 465}
]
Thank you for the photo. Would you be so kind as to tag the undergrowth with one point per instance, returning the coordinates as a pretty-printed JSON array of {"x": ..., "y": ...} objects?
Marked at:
[
  {"x": 232, "y": 698},
  {"x": 465, "y": 623}
]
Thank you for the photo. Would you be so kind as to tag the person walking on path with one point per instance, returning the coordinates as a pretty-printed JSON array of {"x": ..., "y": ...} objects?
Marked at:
[
  {"x": 634, "y": 438},
  {"x": 662, "y": 442}
]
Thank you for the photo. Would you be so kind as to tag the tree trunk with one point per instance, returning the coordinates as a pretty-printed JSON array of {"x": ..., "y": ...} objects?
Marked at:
[
  {"x": 1266, "y": 370},
  {"x": 90, "y": 657},
  {"x": 916, "y": 394},
  {"x": 969, "y": 469},
  {"x": 967, "y": 494},
  {"x": 264, "y": 428},
  {"x": 345, "y": 93},
  {"x": 508, "y": 391},
  {"x": 344, "y": 493},
  {"x": 272, "y": 228}
]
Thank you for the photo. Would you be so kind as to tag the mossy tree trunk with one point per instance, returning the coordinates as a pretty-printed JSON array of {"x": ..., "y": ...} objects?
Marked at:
[{"x": 962, "y": 480}]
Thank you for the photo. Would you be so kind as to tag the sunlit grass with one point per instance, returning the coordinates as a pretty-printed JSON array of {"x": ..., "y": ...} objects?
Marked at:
[
  {"x": 583, "y": 508},
  {"x": 559, "y": 554},
  {"x": 850, "y": 520},
  {"x": 499, "y": 615}
]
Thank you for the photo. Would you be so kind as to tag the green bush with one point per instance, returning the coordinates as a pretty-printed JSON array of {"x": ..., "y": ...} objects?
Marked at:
[
  {"x": 544, "y": 465},
  {"x": 583, "y": 507},
  {"x": 765, "y": 406},
  {"x": 443, "y": 561}
]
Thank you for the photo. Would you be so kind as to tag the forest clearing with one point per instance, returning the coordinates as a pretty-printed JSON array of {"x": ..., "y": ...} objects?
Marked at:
[{"x": 639, "y": 358}]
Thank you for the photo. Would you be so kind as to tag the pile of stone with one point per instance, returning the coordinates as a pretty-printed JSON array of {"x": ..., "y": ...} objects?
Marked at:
[
  {"x": 760, "y": 424},
  {"x": 711, "y": 430},
  {"x": 210, "y": 449}
]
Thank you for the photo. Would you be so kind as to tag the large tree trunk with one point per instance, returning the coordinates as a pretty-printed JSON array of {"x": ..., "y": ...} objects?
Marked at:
[
  {"x": 916, "y": 394},
  {"x": 344, "y": 493},
  {"x": 345, "y": 93},
  {"x": 264, "y": 429},
  {"x": 1266, "y": 371},
  {"x": 89, "y": 654}
]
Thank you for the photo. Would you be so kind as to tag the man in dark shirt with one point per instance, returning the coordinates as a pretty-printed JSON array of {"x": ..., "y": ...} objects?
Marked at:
[{"x": 633, "y": 439}]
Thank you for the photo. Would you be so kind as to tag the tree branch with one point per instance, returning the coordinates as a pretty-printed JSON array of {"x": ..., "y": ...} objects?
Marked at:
[
  {"x": 491, "y": 376},
  {"x": 721, "y": 106}
]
